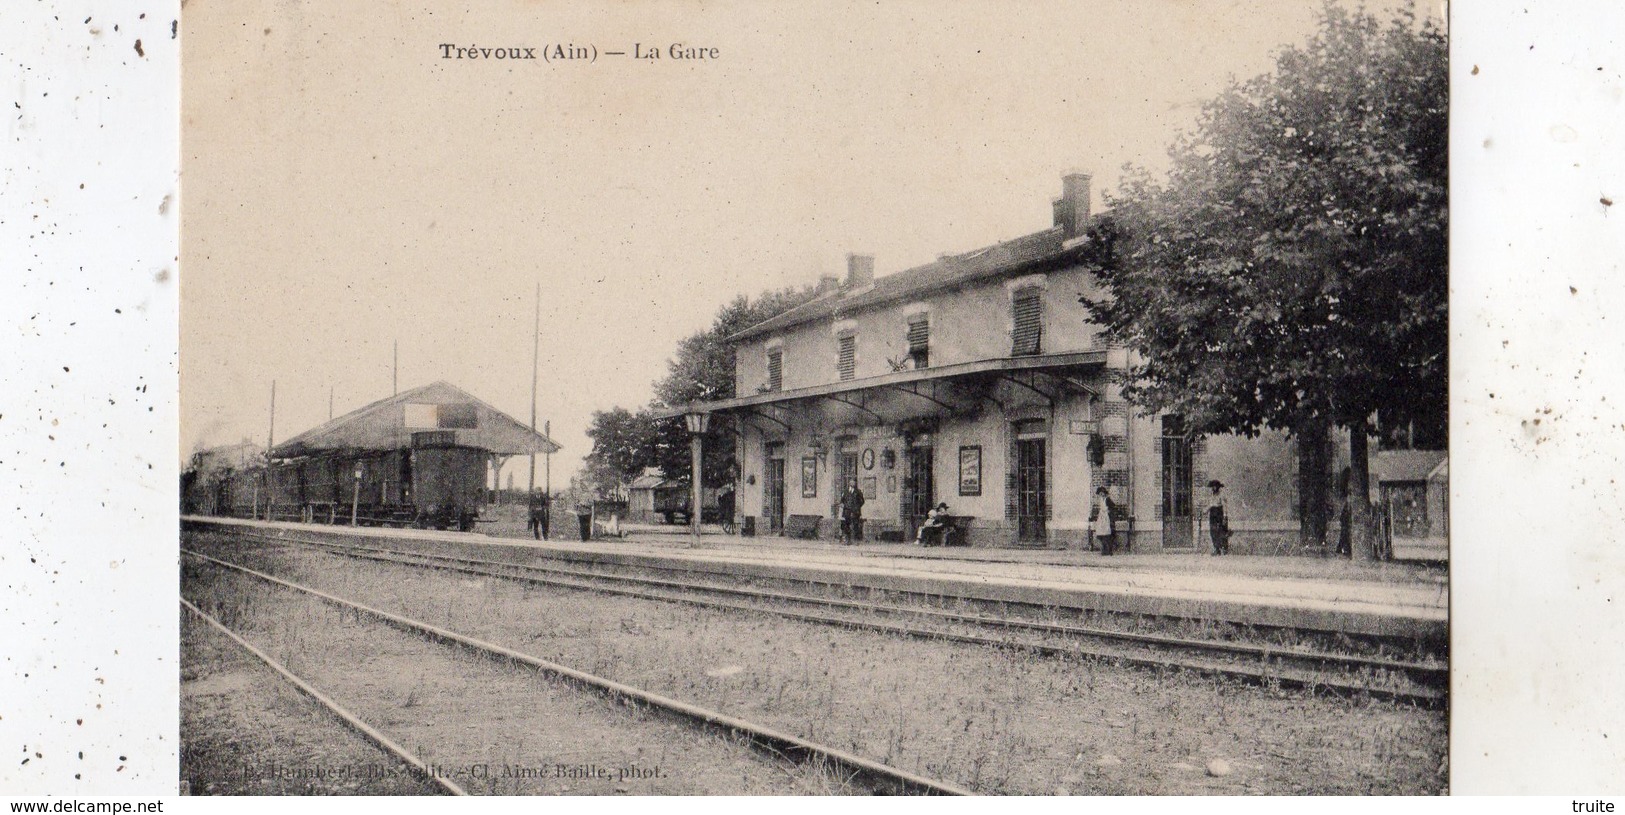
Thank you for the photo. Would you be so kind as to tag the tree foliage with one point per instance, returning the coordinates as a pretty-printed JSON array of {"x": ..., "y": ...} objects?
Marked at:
[
  {"x": 1291, "y": 269},
  {"x": 624, "y": 443},
  {"x": 1293, "y": 264}
]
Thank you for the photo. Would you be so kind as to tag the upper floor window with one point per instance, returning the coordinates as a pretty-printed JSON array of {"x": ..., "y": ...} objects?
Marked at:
[
  {"x": 919, "y": 341},
  {"x": 1027, "y": 319},
  {"x": 847, "y": 356},
  {"x": 775, "y": 369}
]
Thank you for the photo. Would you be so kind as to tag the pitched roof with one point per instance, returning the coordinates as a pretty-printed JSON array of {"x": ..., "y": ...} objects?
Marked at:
[
  {"x": 1405, "y": 465},
  {"x": 945, "y": 272},
  {"x": 1441, "y": 472},
  {"x": 649, "y": 482},
  {"x": 383, "y": 425}
]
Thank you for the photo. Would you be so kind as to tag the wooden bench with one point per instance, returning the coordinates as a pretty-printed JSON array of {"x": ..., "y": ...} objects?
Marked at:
[
  {"x": 887, "y": 531},
  {"x": 802, "y": 526},
  {"x": 951, "y": 534}
]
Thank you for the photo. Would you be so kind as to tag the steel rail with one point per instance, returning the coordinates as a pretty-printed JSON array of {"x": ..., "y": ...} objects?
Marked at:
[
  {"x": 353, "y": 721},
  {"x": 772, "y": 741},
  {"x": 1263, "y": 674},
  {"x": 1426, "y": 674},
  {"x": 1262, "y": 652}
]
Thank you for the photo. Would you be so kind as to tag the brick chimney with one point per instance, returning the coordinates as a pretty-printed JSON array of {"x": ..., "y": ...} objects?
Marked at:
[
  {"x": 1072, "y": 208},
  {"x": 860, "y": 270}
]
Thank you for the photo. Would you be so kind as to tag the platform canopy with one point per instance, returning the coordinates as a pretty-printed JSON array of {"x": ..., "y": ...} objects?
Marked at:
[
  {"x": 441, "y": 408},
  {"x": 923, "y": 393}
]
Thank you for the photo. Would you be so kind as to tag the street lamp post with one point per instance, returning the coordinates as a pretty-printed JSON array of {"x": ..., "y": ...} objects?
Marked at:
[
  {"x": 355, "y": 499},
  {"x": 697, "y": 423}
]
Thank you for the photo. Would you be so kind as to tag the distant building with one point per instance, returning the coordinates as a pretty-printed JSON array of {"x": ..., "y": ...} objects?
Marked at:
[
  {"x": 652, "y": 498},
  {"x": 1412, "y": 489},
  {"x": 642, "y": 495},
  {"x": 980, "y": 380}
]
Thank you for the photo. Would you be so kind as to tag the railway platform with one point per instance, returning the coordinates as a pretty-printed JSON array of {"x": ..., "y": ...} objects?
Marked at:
[{"x": 1322, "y": 594}]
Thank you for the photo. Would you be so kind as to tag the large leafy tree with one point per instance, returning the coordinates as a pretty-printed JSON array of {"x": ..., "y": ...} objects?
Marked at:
[
  {"x": 624, "y": 443},
  {"x": 1290, "y": 271},
  {"x": 703, "y": 371}
]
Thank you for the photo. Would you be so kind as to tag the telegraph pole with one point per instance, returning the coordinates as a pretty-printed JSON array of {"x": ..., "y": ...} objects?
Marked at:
[
  {"x": 535, "y": 354},
  {"x": 270, "y": 436},
  {"x": 395, "y": 371},
  {"x": 547, "y": 489}
]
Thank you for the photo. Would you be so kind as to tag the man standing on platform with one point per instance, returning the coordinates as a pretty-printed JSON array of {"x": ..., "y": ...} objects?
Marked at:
[
  {"x": 539, "y": 513},
  {"x": 851, "y": 513},
  {"x": 1218, "y": 521}
]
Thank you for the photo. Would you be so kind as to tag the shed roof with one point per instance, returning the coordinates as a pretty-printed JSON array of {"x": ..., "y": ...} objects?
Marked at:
[
  {"x": 1405, "y": 465},
  {"x": 388, "y": 424},
  {"x": 649, "y": 482},
  {"x": 650, "y": 479},
  {"x": 945, "y": 272}
]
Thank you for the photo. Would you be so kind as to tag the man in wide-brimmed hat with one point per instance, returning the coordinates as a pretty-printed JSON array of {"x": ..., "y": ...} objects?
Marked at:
[{"x": 1218, "y": 522}]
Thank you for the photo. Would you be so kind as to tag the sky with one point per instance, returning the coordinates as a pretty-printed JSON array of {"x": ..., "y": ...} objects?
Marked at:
[{"x": 346, "y": 187}]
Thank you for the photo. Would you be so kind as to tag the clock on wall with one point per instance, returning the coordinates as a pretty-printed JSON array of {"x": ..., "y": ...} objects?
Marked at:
[{"x": 869, "y": 459}]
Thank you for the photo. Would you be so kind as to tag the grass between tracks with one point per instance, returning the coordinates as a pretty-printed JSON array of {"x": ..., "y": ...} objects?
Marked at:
[
  {"x": 996, "y": 720},
  {"x": 493, "y": 728}
]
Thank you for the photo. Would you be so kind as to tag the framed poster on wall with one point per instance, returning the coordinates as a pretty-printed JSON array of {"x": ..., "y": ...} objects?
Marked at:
[
  {"x": 809, "y": 477},
  {"x": 970, "y": 470}
]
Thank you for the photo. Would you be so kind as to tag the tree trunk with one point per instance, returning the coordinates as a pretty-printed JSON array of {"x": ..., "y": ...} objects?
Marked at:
[
  {"x": 1360, "y": 537},
  {"x": 1314, "y": 481}
]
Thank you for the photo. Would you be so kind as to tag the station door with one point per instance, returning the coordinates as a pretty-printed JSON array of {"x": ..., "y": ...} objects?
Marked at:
[
  {"x": 846, "y": 470},
  {"x": 1178, "y": 530},
  {"x": 1032, "y": 499},
  {"x": 919, "y": 489},
  {"x": 773, "y": 493}
]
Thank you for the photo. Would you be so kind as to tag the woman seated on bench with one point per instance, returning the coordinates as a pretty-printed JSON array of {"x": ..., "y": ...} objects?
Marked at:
[{"x": 936, "y": 523}]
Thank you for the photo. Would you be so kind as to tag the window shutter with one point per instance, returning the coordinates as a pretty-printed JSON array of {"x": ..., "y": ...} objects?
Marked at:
[
  {"x": 775, "y": 370},
  {"x": 1027, "y": 311},
  {"x": 846, "y": 363},
  {"x": 919, "y": 341}
]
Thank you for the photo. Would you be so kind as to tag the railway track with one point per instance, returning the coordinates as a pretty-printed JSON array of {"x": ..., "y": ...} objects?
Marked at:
[
  {"x": 333, "y": 708},
  {"x": 1342, "y": 674},
  {"x": 873, "y": 775}
]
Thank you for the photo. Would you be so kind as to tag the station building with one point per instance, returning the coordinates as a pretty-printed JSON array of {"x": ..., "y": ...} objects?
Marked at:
[{"x": 979, "y": 380}]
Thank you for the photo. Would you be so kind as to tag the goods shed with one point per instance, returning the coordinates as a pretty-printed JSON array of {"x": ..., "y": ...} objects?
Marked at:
[{"x": 419, "y": 457}]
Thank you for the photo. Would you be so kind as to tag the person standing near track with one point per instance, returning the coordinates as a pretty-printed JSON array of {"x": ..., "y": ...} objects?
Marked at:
[
  {"x": 584, "y": 518},
  {"x": 851, "y": 513},
  {"x": 1103, "y": 521},
  {"x": 538, "y": 517},
  {"x": 1218, "y": 521}
]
